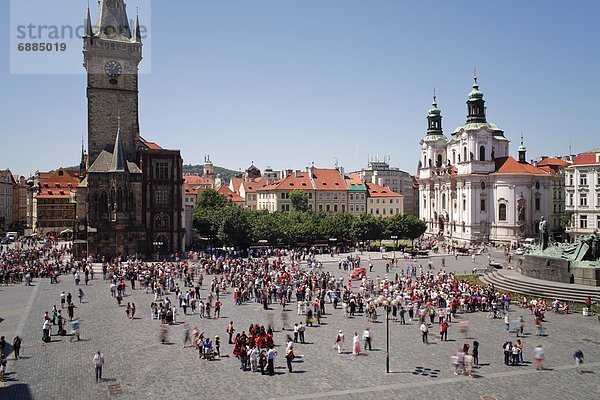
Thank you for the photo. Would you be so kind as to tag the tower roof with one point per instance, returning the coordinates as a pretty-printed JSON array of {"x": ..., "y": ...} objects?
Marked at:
[
  {"x": 119, "y": 163},
  {"x": 112, "y": 22}
]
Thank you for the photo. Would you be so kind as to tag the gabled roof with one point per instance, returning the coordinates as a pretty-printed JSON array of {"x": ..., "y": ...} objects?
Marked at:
[
  {"x": 376, "y": 190},
  {"x": 152, "y": 145},
  {"x": 253, "y": 185},
  {"x": 552, "y": 161},
  {"x": 225, "y": 191},
  {"x": 197, "y": 180},
  {"x": 296, "y": 180},
  {"x": 7, "y": 177},
  {"x": 327, "y": 179},
  {"x": 235, "y": 184},
  {"x": 103, "y": 163},
  {"x": 510, "y": 166},
  {"x": 354, "y": 183},
  {"x": 588, "y": 158}
]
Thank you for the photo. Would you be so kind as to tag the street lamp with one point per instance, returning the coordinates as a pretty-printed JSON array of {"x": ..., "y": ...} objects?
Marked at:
[
  {"x": 395, "y": 238},
  {"x": 387, "y": 304}
]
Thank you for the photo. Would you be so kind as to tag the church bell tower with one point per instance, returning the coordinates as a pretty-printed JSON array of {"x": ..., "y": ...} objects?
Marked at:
[{"x": 112, "y": 54}]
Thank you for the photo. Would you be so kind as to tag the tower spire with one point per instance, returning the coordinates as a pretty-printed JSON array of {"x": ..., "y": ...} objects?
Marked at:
[
  {"x": 434, "y": 118},
  {"x": 119, "y": 163},
  {"x": 522, "y": 151},
  {"x": 475, "y": 103},
  {"x": 138, "y": 32},
  {"x": 89, "y": 30},
  {"x": 112, "y": 22}
]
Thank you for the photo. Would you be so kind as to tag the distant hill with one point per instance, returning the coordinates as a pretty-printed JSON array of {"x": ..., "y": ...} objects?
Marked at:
[{"x": 226, "y": 174}]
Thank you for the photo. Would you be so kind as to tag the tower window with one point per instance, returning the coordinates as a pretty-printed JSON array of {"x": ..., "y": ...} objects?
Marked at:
[
  {"x": 482, "y": 205},
  {"x": 465, "y": 153},
  {"x": 537, "y": 204},
  {"x": 161, "y": 170},
  {"x": 502, "y": 212},
  {"x": 482, "y": 153}
]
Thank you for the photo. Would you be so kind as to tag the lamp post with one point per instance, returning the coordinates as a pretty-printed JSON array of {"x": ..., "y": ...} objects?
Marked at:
[
  {"x": 387, "y": 304},
  {"x": 157, "y": 245},
  {"x": 395, "y": 238}
]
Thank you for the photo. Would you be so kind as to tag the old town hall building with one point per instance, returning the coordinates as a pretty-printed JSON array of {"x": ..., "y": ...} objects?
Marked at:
[
  {"x": 472, "y": 190},
  {"x": 129, "y": 200}
]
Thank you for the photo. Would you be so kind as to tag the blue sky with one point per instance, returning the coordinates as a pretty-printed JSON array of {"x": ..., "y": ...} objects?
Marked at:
[{"x": 287, "y": 83}]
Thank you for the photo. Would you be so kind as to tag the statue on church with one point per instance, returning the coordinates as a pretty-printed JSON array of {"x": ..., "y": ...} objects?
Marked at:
[
  {"x": 472, "y": 156},
  {"x": 543, "y": 232}
]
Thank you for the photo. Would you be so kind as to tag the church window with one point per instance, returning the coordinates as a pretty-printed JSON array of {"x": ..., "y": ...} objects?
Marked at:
[
  {"x": 157, "y": 221},
  {"x": 465, "y": 153},
  {"x": 583, "y": 179},
  {"x": 161, "y": 170},
  {"x": 464, "y": 205},
  {"x": 444, "y": 201},
  {"x": 583, "y": 221},
  {"x": 161, "y": 196},
  {"x": 482, "y": 153},
  {"x": 537, "y": 185},
  {"x": 537, "y": 204},
  {"x": 482, "y": 185},
  {"x": 502, "y": 212},
  {"x": 439, "y": 160},
  {"x": 583, "y": 199},
  {"x": 482, "y": 204},
  {"x": 453, "y": 156}
]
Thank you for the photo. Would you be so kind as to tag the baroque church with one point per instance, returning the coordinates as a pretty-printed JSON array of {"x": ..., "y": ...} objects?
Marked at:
[
  {"x": 472, "y": 190},
  {"x": 129, "y": 200}
]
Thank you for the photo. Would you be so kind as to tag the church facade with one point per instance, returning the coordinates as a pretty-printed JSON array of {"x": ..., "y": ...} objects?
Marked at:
[
  {"x": 472, "y": 190},
  {"x": 129, "y": 201}
]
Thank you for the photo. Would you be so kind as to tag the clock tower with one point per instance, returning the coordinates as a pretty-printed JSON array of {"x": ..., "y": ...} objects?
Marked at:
[{"x": 112, "y": 54}]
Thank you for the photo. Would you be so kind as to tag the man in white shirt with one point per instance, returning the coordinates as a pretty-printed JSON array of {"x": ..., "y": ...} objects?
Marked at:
[
  {"x": 367, "y": 338},
  {"x": 424, "y": 331},
  {"x": 98, "y": 363}
]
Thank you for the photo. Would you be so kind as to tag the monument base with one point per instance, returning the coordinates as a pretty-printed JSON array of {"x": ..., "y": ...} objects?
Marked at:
[{"x": 558, "y": 270}]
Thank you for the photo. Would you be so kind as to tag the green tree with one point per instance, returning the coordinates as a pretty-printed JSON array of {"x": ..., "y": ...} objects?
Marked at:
[
  {"x": 211, "y": 199},
  {"x": 367, "y": 227},
  {"x": 415, "y": 227},
  {"x": 234, "y": 228},
  {"x": 338, "y": 226},
  {"x": 299, "y": 200},
  {"x": 566, "y": 219}
]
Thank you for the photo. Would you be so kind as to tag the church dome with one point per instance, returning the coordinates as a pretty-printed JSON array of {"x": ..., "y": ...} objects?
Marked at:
[{"x": 475, "y": 93}]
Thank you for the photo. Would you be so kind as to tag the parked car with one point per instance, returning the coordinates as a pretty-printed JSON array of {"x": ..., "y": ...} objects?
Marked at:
[
  {"x": 5, "y": 240},
  {"x": 495, "y": 264},
  {"x": 358, "y": 273},
  {"x": 520, "y": 251}
]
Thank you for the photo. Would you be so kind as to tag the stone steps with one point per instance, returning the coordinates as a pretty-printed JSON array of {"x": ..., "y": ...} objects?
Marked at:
[{"x": 516, "y": 283}]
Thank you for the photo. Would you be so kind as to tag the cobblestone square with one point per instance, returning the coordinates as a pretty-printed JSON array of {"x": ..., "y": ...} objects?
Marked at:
[{"x": 139, "y": 366}]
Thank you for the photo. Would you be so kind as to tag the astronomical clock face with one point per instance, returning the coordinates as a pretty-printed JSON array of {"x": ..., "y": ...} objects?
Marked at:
[{"x": 113, "y": 69}]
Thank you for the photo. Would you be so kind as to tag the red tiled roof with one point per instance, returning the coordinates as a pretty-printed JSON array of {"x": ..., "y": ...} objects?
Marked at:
[
  {"x": 508, "y": 165},
  {"x": 293, "y": 181},
  {"x": 197, "y": 180},
  {"x": 152, "y": 145},
  {"x": 328, "y": 179},
  {"x": 376, "y": 190},
  {"x": 551, "y": 161},
  {"x": 235, "y": 183},
  {"x": 354, "y": 179},
  {"x": 586, "y": 159},
  {"x": 253, "y": 185},
  {"x": 225, "y": 191}
]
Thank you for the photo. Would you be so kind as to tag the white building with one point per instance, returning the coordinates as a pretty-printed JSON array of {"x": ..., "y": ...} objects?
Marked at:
[
  {"x": 582, "y": 183},
  {"x": 471, "y": 189},
  {"x": 401, "y": 182}
]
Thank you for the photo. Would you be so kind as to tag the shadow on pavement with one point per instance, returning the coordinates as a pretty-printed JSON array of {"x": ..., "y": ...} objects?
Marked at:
[{"x": 16, "y": 391}]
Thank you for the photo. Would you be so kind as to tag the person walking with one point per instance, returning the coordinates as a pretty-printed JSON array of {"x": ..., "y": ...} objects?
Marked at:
[
  {"x": 289, "y": 353},
  {"x": 271, "y": 353},
  {"x": 578, "y": 356},
  {"x": 367, "y": 338},
  {"x": 132, "y": 310},
  {"x": 74, "y": 330},
  {"x": 80, "y": 295},
  {"x": 444, "y": 331},
  {"x": 356, "y": 344},
  {"x": 339, "y": 341},
  {"x": 98, "y": 361},
  {"x": 17, "y": 346},
  {"x": 230, "y": 331},
  {"x": 475, "y": 353},
  {"x": 539, "y": 357},
  {"x": 424, "y": 331},
  {"x": 301, "y": 330}
]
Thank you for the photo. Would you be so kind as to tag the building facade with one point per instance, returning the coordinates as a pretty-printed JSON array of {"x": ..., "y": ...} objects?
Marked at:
[
  {"x": 471, "y": 189},
  {"x": 398, "y": 181},
  {"x": 7, "y": 184},
  {"x": 383, "y": 202},
  {"x": 582, "y": 183},
  {"x": 55, "y": 203}
]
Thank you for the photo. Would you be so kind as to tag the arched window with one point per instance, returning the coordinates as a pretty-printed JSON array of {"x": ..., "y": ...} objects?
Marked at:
[
  {"x": 502, "y": 212},
  {"x": 444, "y": 201},
  {"x": 157, "y": 221},
  {"x": 439, "y": 161},
  {"x": 465, "y": 154},
  {"x": 166, "y": 221},
  {"x": 453, "y": 156},
  {"x": 482, "y": 153}
]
